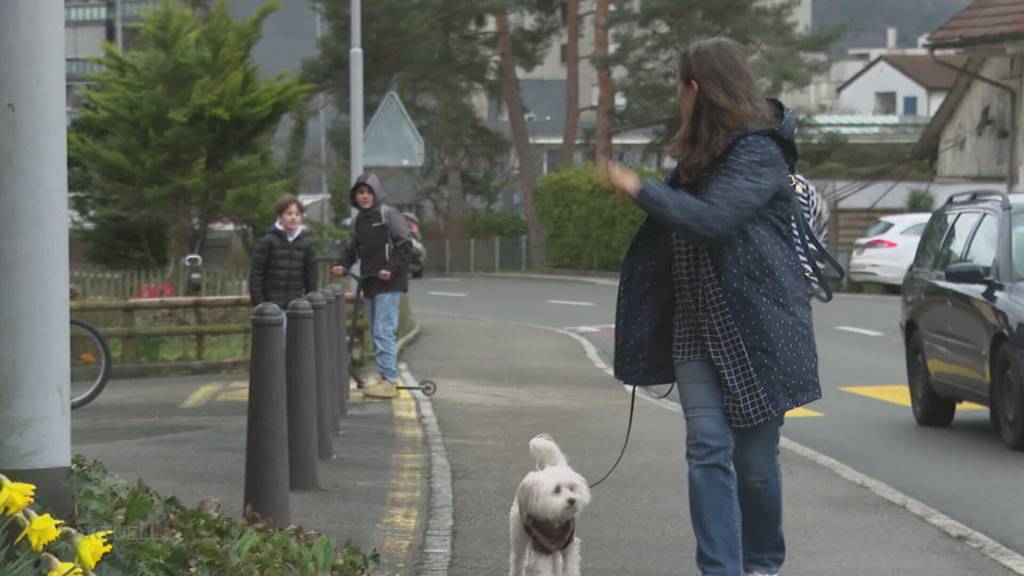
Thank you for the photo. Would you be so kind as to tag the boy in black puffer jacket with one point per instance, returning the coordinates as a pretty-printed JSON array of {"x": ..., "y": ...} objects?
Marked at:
[{"x": 284, "y": 263}]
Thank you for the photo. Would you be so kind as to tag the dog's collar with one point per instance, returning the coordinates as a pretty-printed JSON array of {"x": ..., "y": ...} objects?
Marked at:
[{"x": 547, "y": 539}]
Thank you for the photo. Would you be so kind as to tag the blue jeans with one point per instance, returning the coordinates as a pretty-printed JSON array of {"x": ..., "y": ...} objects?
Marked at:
[
  {"x": 734, "y": 479},
  {"x": 383, "y": 315}
]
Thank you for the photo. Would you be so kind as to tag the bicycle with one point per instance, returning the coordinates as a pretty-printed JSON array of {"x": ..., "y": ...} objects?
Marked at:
[
  {"x": 355, "y": 335},
  {"x": 90, "y": 363}
]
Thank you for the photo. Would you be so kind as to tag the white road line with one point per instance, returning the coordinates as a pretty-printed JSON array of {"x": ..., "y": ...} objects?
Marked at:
[
  {"x": 862, "y": 331},
  {"x": 958, "y": 531},
  {"x": 448, "y": 294},
  {"x": 570, "y": 303},
  {"x": 445, "y": 280}
]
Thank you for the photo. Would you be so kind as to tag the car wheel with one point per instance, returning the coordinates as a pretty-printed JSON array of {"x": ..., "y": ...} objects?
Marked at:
[
  {"x": 930, "y": 409},
  {"x": 1007, "y": 402}
]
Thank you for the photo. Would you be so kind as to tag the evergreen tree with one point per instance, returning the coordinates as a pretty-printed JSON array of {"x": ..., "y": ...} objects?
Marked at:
[{"x": 176, "y": 135}]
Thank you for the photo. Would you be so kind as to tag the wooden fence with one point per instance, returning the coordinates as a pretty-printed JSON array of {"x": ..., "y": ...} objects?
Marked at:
[{"x": 99, "y": 284}]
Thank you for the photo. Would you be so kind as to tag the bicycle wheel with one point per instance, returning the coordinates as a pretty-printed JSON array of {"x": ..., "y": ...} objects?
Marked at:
[{"x": 90, "y": 363}]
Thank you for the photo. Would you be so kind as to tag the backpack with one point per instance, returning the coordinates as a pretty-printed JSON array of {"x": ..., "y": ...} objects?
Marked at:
[{"x": 810, "y": 222}]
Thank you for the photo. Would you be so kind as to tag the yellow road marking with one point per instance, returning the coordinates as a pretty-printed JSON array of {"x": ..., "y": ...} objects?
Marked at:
[
  {"x": 201, "y": 396},
  {"x": 397, "y": 529},
  {"x": 899, "y": 395},
  {"x": 802, "y": 413},
  {"x": 237, "y": 391}
]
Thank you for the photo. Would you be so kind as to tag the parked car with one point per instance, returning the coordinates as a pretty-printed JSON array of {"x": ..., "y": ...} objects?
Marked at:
[
  {"x": 963, "y": 313},
  {"x": 884, "y": 254}
]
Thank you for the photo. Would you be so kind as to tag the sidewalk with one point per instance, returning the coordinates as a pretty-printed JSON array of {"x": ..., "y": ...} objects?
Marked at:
[
  {"x": 372, "y": 493},
  {"x": 501, "y": 384}
]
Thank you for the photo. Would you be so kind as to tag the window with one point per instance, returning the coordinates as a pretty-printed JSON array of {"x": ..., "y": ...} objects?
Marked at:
[
  {"x": 982, "y": 251},
  {"x": 915, "y": 230},
  {"x": 878, "y": 228},
  {"x": 953, "y": 248},
  {"x": 1017, "y": 245},
  {"x": 934, "y": 232},
  {"x": 885, "y": 103},
  {"x": 910, "y": 105}
]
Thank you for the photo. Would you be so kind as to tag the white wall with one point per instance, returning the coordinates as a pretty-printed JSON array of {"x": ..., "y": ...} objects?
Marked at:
[
  {"x": 859, "y": 97},
  {"x": 964, "y": 154},
  {"x": 82, "y": 40}
]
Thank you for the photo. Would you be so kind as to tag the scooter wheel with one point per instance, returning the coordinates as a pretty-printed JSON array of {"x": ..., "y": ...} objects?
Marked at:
[{"x": 429, "y": 388}]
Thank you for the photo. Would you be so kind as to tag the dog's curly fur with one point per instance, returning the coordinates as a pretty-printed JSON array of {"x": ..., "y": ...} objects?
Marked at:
[{"x": 552, "y": 495}]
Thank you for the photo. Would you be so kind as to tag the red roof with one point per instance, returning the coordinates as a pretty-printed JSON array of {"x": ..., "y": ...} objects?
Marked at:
[{"x": 982, "y": 22}]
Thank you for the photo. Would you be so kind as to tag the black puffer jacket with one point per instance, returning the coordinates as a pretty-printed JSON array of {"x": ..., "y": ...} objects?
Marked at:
[{"x": 281, "y": 270}]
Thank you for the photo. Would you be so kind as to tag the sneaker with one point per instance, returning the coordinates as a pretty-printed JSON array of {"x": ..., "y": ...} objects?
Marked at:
[{"x": 383, "y": 389}]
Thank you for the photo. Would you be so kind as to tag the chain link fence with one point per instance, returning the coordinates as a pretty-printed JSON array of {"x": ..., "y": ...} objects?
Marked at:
[{"x": 472, "y": 255}]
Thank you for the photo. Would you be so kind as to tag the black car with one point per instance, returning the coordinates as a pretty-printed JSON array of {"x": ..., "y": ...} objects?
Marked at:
[{"x": 963, "y": 313}]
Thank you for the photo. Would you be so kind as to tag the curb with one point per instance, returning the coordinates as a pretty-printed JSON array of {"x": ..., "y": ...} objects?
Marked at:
[
  {"x": 528, "y": 276},
  {"x": 437, "y": 541}
]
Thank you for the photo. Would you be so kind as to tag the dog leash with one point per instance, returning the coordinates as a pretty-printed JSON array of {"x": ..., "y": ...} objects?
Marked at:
[{"x": 629, "y": 429}]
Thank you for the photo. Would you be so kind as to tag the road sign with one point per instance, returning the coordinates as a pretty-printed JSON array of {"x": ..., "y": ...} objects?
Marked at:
[{"x": 391, "y": 139}]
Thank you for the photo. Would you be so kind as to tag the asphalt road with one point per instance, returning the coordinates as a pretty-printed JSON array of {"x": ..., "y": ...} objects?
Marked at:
[{"x": 962, "y": 471}]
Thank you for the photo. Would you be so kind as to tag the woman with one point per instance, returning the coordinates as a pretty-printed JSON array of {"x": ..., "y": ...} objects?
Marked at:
[{"x": 712, "y": 297}]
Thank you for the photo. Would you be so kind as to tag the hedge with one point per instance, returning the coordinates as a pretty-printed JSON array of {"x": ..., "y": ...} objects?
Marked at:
[{"x": 586, "y": 224}]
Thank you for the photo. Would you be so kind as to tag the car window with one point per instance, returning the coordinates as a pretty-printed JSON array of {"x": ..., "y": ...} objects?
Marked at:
[
  {"x": 1017, "y": 245},
  {"x": 914, "y": 230},
  {"x": 953, "y": 248},
  {"x": 878, "y": 228},
  {"x": 983, "y": 246},
  {"x": 931, "y": 242}
]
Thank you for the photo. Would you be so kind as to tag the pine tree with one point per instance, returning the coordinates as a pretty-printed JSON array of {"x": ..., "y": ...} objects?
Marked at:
[{"x": 176, "y": 134}]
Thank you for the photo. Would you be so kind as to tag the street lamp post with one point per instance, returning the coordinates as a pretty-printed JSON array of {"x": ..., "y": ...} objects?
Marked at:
[{"x": 356, "y": 93}]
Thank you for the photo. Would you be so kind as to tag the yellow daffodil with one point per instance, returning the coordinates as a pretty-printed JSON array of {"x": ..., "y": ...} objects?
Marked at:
[
  {"x": 41, "y": 530},
  {"x": 15, "y": 496},
  {"x": 64, "y": 569},
  {"x": 91, "y": 548}
]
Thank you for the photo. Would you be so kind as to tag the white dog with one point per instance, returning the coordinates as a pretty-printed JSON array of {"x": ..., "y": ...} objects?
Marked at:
[{"x": 542, "y": 521}]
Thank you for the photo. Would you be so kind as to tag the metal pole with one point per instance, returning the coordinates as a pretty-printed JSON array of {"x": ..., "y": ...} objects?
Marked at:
[
  {"x": 266, "y": 444},
  {"x": 522, "y": 250},
  {"x": 301, "y": 370},
  {"x": 341, "y": 384},
  {"x": 334, "y": 350},
  {"x": 447, "y": 257},
  {"x": 321, "y": 104},
  {"x": 472, "y": 255},
  {"x": 324, "y": 412},
  {"x": 119, "y": 24},
  {"x": 497, "y": 253},
  {"x": 35, "y": 418},
  {"x": 356, "y": 105}
]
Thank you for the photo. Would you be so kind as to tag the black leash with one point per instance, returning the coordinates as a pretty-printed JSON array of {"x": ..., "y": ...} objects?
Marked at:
[{"x": 629, "y": 429}]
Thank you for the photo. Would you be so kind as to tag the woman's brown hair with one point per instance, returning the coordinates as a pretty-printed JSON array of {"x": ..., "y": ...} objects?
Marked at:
[{"x": 728, "y": 102}]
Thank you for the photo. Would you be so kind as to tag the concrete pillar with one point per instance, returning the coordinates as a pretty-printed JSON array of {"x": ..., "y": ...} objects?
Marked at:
[{"x": 35, "y": 409}]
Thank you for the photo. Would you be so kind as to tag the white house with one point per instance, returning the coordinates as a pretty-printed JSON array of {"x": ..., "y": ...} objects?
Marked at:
[{"x": 902, "y": 85}]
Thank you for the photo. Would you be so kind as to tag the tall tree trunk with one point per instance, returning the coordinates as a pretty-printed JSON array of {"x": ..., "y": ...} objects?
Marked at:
[
  {"x": 572, "y": 83},
  {"x": 516, "y": 119},
  {"x": 606, "y": 86},
  {"x": 455, "y": 225}
]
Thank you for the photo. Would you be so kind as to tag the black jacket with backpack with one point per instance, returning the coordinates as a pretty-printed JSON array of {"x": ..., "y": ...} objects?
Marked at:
[
  {"x": 281, "y": 270},
  {"x": 380, "y": 241}
]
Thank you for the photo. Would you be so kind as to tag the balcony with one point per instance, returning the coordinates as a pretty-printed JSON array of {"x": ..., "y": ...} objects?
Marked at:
[
  {"x": 86, "y": 13},
  {"x": 78, "y": 69}
]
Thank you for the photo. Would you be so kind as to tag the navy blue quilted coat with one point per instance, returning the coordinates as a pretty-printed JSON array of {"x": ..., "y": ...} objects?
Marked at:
[{"x": 741, "y": 212}]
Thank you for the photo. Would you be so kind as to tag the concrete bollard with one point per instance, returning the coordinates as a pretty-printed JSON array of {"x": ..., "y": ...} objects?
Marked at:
[
  {"x": 302, "y": 412},
  {"x": 343, "y": 359},
  {"x": 266, "y": 443},
  {"x": 324, "y": 401},
  {"x": 332, "y": 356}
]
